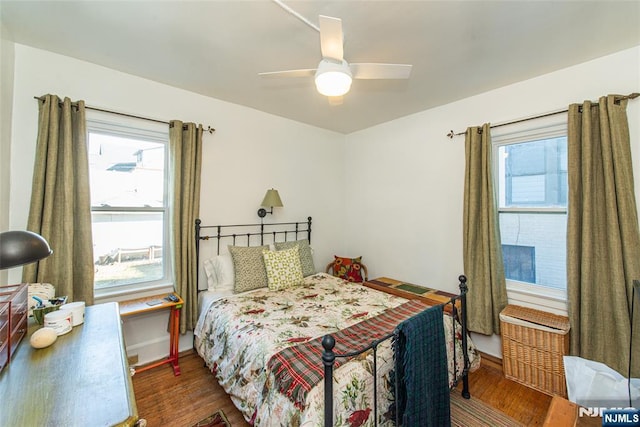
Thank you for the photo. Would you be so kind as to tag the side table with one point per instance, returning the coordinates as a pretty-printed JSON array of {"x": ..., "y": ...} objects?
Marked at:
[
  {"x": 410, "y": 291},
  {"x": 153, "y": 303}
]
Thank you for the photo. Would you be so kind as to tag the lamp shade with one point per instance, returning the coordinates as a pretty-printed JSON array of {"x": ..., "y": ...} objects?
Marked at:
[
  {"x": 332, "y": 78},
  {"x": 22, "y": 247},
  {"x": 272, "y": 199}
]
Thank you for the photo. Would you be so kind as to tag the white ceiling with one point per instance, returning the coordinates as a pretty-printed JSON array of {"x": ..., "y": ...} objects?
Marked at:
[{"x": 217, "y": 48}]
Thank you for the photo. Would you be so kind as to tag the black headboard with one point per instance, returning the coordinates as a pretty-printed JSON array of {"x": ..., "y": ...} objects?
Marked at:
[{"x": 251, "y": 234}]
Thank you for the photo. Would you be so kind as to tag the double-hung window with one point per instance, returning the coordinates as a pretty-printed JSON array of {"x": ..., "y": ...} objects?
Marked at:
[
  {"x": 129, "y": 207},
  {"x": 530, "y": 172}
]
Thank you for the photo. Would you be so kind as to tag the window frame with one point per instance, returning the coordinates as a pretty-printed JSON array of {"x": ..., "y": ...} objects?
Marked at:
[
  {"x": 123, "y": 126},
  {"x": 522, "y": 293}
]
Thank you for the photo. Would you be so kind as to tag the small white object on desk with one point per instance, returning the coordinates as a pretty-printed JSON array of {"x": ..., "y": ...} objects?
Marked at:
[
  {"x": 60, "y": 321},
  {"x": 43, "y": 337},
  {"x": 77, "y": 312}
]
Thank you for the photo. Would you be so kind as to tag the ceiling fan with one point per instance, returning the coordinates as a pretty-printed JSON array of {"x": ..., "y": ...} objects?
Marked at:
[{"x": 333, "y": 75}]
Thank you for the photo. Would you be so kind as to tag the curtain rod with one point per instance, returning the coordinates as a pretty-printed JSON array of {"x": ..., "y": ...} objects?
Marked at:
[
  {"x": 451, "y": 133},
  {"x": 88, "y": 107}
]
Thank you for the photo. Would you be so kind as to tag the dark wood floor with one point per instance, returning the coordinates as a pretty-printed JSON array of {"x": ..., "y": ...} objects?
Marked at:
[{"x": 165, "y": 400}]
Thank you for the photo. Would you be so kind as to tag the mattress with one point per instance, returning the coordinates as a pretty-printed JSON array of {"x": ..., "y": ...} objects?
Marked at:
[{"x": 238, "y": 335}]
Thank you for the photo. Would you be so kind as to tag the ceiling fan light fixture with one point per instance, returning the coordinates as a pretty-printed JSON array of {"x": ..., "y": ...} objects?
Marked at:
[{"x": 333, "y": 78}]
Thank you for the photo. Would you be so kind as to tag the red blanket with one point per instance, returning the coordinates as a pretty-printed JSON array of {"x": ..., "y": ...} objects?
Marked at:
[{"x": 299, "y": 368}]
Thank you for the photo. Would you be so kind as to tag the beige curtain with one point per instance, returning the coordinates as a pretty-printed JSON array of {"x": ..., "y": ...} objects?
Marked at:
[
  {"x": 483, "y": 263},
  {"x": 603, "y": 242},
  {"x": 185, "y": 141},
  {"x": 60, "y": 208}
]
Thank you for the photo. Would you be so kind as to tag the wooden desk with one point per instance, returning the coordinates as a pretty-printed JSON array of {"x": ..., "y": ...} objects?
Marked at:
[
  {"x": 82, "y": 379},
  {"x": 410, "y": 291},
  {"x": 140, "y": 305}
]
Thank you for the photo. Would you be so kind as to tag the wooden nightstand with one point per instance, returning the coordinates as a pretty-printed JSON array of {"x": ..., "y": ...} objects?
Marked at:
[{"x": 82, "y": 379}]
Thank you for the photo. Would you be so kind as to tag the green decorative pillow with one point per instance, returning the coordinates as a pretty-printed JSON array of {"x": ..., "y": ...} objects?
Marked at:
[
  {"x": 348, "y": 268},
  {"x": 283, "y": 268},
  {"x": 248, "y": 266},
  {"x": 306, "y": 258}
]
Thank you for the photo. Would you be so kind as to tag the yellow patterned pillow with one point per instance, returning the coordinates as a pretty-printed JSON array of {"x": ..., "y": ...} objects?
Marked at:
[
  {"x": 284, "y": 269},
  {"x": 306, "y": 256}
]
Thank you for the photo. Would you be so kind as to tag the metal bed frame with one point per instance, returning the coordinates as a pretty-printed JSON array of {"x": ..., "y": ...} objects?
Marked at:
[
  {"x": 253, "y": 231},
  {"x": 329, "y": 357},
  {"x": 257, "y": 233}
]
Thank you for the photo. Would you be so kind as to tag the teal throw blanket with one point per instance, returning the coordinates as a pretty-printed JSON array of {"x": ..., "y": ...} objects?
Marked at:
[{"x": 422, "y": 398}]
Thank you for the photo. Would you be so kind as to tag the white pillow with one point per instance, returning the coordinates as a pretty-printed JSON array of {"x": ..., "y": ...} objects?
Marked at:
[
  {"x": 210, "y": 272},
  {"x": 223, "y": 266}
]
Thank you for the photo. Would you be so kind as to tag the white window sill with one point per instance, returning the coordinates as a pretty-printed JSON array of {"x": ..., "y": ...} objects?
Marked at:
[
  {"x": 538, "y": 297},
  {"x": 129, "y": 292}
]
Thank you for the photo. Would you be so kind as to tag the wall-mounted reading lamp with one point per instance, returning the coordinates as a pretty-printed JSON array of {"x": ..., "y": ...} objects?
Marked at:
[{"x": 271, "y": 200}]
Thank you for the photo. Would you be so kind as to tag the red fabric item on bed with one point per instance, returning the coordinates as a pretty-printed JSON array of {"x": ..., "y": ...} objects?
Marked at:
[{"x": 299, "y": 368}]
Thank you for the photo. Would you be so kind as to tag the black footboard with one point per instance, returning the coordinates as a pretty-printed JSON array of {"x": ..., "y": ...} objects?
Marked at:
[{"x": 329, "y": 357}]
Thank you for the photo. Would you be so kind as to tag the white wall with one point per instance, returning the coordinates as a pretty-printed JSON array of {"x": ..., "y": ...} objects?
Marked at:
[
  {"x": 6, "y": 99},
  {"x": 406, "y": 217},
  {"x": 249, "y": 153},
  {"x": 403, "y": 212}
]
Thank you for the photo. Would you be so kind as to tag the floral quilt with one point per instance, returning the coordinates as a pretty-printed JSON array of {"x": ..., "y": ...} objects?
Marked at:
[{"x": 238, "y": 335}]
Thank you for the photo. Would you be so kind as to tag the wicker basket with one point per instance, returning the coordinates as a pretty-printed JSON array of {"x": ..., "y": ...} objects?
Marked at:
[{"x": 533, "y": 344}]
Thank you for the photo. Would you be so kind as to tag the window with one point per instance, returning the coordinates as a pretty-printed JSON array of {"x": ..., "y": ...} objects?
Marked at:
[
  {"x": 530, "y": 171},
  {"x": 129, "y": 209},
  {"x": 520, "y": 262}
]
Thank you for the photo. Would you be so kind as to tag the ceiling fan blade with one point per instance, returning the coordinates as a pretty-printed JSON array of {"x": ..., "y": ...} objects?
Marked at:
[
  {"x": 331, "y": 38},
  {"x": 335, "y": 100},
  {"x": 289, "y": 73},
  {"x": 380, "y": 71}
]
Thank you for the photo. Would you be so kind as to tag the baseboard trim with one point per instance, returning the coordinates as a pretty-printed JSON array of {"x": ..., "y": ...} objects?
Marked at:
[
  {"x": 180, "y": 354},
  {"x": 490, "y": 361}
]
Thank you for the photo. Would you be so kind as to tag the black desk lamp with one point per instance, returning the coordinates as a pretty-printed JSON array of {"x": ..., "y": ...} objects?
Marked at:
[{"x": 22, "y": 247}]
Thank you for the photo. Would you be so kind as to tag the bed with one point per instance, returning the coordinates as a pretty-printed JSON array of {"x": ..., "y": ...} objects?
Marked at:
[{"x": 248, "y": 338}]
